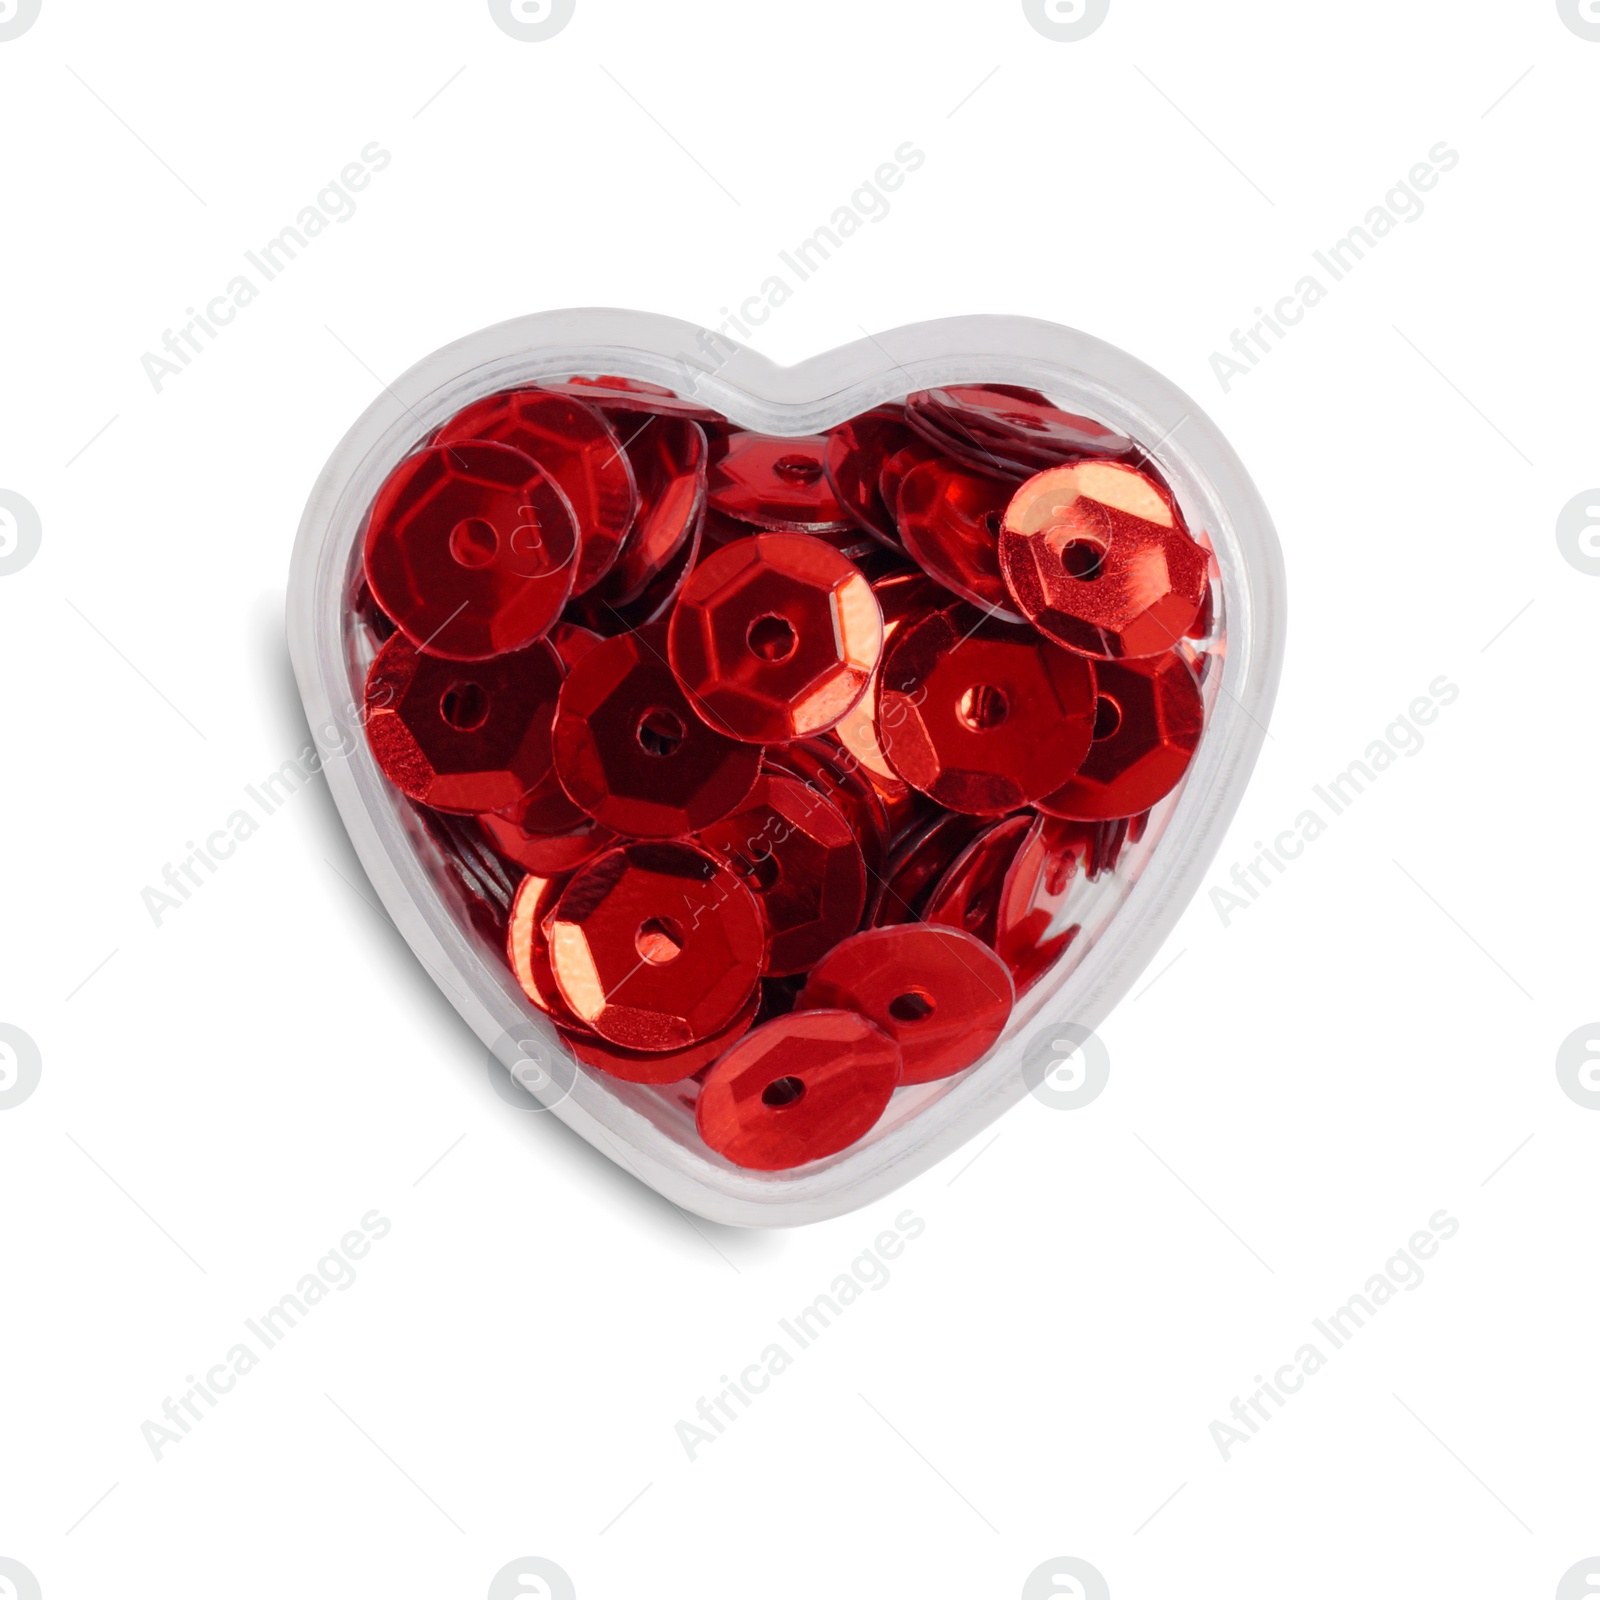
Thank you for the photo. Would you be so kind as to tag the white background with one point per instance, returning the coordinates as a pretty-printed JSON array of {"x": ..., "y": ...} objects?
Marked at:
[{"x": 1374, "y": 1039}]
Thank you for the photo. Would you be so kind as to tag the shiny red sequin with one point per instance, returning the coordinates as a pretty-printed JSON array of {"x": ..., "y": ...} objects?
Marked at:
[
  {"x": 998, "y": 427},
  {"x": 781, "y": 484},
  {"x": 630, "y": 750},
  {"x": 775, "y": 637},
  {"x": 855, "y": 460},
  {"x": 798, "y": 1088},
  {"x": 659, "y": 1066},
  {"x": 1096, "y": 556},
  {"x": 1147, "y": 721},
  {"x": 471, "y": 549},
  {"x": 527, "y": 949},
  {"x": 462, "y": 735},
  {"x": 967, "y": 895},
  {"x": 579, "y": 450},
  {"x": 940, "y": 994},
  {"x": 656, "y": 945},
  {"x": 983, "y": 715},
  {"x": 629, "y": 395}
]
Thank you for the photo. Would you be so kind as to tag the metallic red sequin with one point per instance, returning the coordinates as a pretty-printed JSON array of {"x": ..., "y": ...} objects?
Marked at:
[
  {"x": 982, "y": 715},
  {"x": 775, "y": 637},
  {"x": 1147, "y": 722},
  {"x": 527, "y": 949},
  {"x": 656, "y": 945},
  {"x": 462, "y": 735},
  {"x": 658, "y": 1066},
  {"x": 999, "y": 427},
  {"x": 940, "y": 994},
  {"x": 629, "y": 395},
  {"x": 472, "y": 550},
  {"x": 1096, "y": 556},
  {"x": 669, "y": 462},
  {"x": 630, "y": 750},
  {"x": 797, "y": 1089},
  {"x": 967, "y": 896},
  {"x": 855, "y": 458},
  {"x": 781, "y": 484},
  {"x": 579, "y": 450},
  {"x": 1038, "y": 881}
]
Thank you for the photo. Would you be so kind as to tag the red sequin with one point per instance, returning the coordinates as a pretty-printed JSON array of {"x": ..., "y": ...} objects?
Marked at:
[
  {"x": 798, "y": 1088},
  {"x": 1096, "y": 556},
  {"x": 630, "y": 750},
  {"x": 656, "y": 945},
  {"x": 471, "y": 549},
  {"x": 937, "y": 992},
  {"x": 580, "y": 451},
  {"x": 775, "y": 637}
]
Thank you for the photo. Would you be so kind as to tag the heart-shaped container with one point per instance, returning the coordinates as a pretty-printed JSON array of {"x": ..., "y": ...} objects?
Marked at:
[{"x": 1125, "y": 915}]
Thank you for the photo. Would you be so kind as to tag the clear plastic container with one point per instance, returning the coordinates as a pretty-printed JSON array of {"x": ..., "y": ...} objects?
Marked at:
[{"x": 1125, "y": 915}]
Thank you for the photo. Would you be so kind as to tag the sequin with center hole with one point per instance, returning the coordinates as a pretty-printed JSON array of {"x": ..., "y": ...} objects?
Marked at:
[
  {"x": 776, "y": 483},
  {"x": 467, "y": 736},
  {"x": 980, "y": 714},
  {"x": 471, "y": 549},
  {"x": 942, "y": 995},
  {"x": 797, "y": 1089},
  {"x": 1149, "y": 714},
  {"x": 630, "y": 750},
  {"x": 580, "y": 451},
  {"x": 775, "y": 637},
  {"x": 798, "y": 855},
  {"x": 1097, "y": 557},
  {"x": 656, "y": 945}
]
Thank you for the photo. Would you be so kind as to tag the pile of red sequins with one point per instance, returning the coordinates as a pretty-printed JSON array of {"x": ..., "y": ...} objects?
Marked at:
[{"x": 773, "y": 763}]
